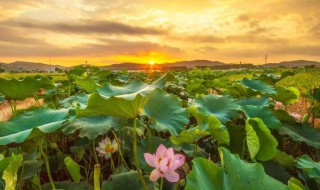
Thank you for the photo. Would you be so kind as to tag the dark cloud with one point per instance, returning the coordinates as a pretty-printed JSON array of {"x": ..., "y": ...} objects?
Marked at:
[
  {"x": 105, "y": 47},
  {"x": 89, "y": 27},
  {"x": 257, "y": 35},
  {"x": 13, "y": 36}
]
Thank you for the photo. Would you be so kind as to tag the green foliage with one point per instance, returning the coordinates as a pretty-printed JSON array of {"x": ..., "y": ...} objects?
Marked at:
[
  {"x": 223, "y": 107},
  {"x": 10, "y": 173},
  {"x": 258, "y": 86},
  {"x": 300, "y": 133},
  {"x": 190, "y": 136},
  {"x": 213, "y": 118},
  {"x": 91, "y": 127},
  {"x": 205, "y": 175},
  {"x": 14, "y": 89},
  {"x": 31, "y": 124},
  {"x": 126, "y": 180},
  {"x": 122, "y": 102},
  {"x": 73, "y": 168},
  {"x": 261, "y": 142},
  {"x": 287, "y": 96},
  {"x": 88, "y": 84},
  {"x": 234, "y": 174},
  {"x": 308, "y": 165},
  {"x": 161, "y": 113},
  {"x": 262, "y": 113}
]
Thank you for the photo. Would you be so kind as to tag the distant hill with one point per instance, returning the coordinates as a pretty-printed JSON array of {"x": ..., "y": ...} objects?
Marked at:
[
  {"x": 131, "y": 66},
  {"x": 193, "y": 64},
  {"x": 188, "y": 64},
  {"x": 29, "y": 66},
  {"x": 296, "y": 63}
]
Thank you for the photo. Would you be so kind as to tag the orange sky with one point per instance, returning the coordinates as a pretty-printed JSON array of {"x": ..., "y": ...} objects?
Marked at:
[{"x": 103, "y": 32}]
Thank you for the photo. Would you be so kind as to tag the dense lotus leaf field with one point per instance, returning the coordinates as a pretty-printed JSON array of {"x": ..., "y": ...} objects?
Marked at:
[{"x": 187, "y": 130}]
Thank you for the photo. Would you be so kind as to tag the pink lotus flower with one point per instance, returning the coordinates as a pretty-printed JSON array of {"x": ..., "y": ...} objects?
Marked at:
[
  {"x": 278, "y": 105},
  {"x": 165, "y": 163},
  {"x": 296, "y": 116},
  {"x": 106, "y": 148}
]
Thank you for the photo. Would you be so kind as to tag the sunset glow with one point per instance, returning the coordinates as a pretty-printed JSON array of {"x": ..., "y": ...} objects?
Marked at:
[{"x": 105, "y": 32}]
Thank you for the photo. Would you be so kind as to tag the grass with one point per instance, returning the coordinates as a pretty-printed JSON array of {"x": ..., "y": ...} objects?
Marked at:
[
  {"x": 54, "y": 76},
  {"x": 304, "y": 81}
]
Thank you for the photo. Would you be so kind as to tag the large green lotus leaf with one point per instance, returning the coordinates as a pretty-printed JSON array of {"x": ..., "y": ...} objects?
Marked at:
[
  {"x": 223, "y": 107},
  {"x": 247, "y": 176},
  {"x": 127, "y": 180},
  {"x": 276, "y": 171},
  {"x": 287, "y": 96},
  {"x": 258, "y": 86},
  {"x": 205, "y": 175},
  {"x": 78, "y": 71},
  {"x": 284, "y": 159},
  {"x": 234, "y": 174},
  {"x": 20, "y": 128},
  {"x": 262, "y": 101},
  {"x": 122, "y": 102},
  {"x": 308, "y": 165},
  {"x": 237, "y": 138},
  {"x": 300, "y": 133},
  {"x": 10, "y": 173},
  {"x": 166, "y": 111},
  {"x": 88, "y": 84},
  {"x": 236, "y": 90},
  {"x": 189, "y": 136},
  {"x": 211, "y": 124},
  {"x": 284, "y": 116},
  {"x": 267, "y": 143},
  {"x": 195, "y": 84},
  {"x": 79, "y": 100},
  {"x": 21, "y": 89},
  {"x": 264, "y": 114},
  {"x": 91, "y": 126},
  {"x": 252, "y": 140}
]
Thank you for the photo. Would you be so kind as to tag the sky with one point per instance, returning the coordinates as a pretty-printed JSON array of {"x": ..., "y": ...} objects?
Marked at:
[{"x": 103, "y": 32}]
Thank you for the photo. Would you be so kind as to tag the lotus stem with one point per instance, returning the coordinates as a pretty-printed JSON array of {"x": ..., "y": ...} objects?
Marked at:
[
  {"x": 161, "y": 183},
  {"x": 176, "y": 187},
  {"x": 136, "y": 155},
  {"x": 94, "y": 153},
  {"x": 120, "y": 150},
  {"x": 243, "y": 148},
  {"x": 46, "y": 161},
  {"x": 113, "y": 169},
  {"x": 149, "y": 137},
  {"x": 96, "y": 177},
  {"x": 195, "y": 149}
]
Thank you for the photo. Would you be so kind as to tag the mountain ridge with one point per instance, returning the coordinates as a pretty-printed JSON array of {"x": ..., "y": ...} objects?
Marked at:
[{"x": 34, "y": 66}]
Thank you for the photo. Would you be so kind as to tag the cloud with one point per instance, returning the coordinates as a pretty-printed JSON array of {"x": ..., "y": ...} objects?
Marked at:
[
  {"x": 89, "y": 27},
  {"x": 14, "y": 36},
  {"x": 316, "y": 29},
  {"x": 105, "y": 47}
]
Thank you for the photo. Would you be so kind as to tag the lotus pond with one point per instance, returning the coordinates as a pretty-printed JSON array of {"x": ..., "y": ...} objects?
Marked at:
[{"x": 185, "y": 130}]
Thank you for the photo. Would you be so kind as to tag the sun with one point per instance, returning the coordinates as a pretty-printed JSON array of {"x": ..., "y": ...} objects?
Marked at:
[{"x": 151, "y": 62}]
